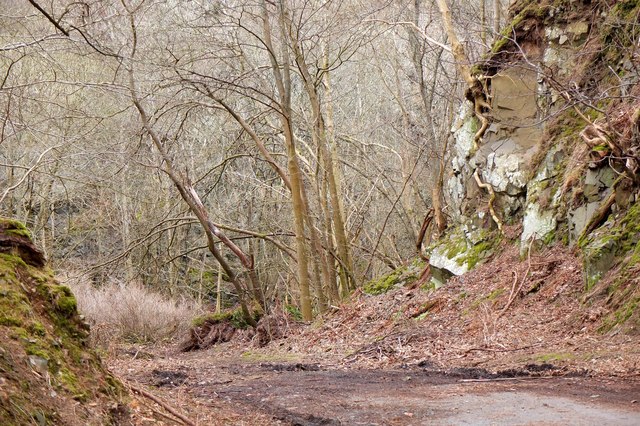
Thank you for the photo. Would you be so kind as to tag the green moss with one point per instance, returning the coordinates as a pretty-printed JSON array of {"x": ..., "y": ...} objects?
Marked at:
[
  {"x": 623, "y": 237},
  {"x": 456, "y": 245},
  {"x": 233, "y": 316},
  {"x": 428, "y": 286},
  {"x": 40, "y": 319},
  {"x": 554, "y": 356},
  {"x": 112, "y": 387},
  {"x": 472, "y": 254},
  {"x": 477, "y": 253},
  {"x": 549, "y": 238},
  {"x": 61, "y": 297},
  {"x": 294, "y": 312},
  {"x": 15, "y": 228},
  {"x": 404, "y": 275},
  {"x": 69, "y": 381},
  {"x": 36, "y": 328},
  {"x": 382, "y": 284},
  {"x": 491, "y": 297},
  {"x": 620, "y": 315},
  {"x": 10, "y": 321},
  {"x": 210, "y": 318},
  {"x": 495, "y": 294},
  {"x": 10, "y": 261}
]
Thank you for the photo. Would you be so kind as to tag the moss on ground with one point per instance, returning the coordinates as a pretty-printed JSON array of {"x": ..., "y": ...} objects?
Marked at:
[{"x": 554, "y": 356}]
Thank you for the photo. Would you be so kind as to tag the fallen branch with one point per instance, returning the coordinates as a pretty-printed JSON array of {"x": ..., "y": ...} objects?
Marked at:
[
  {"x": 492, "y": 198},
  {"x": 505, "y": 379},
  {"x": 511, "y": 294},
  {"x": 521, "y": 348},
  {"x": 163, "y": 404}
]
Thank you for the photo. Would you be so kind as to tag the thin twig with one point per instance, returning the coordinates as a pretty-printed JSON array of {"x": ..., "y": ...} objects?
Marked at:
[{"x": 514, "y": 295}]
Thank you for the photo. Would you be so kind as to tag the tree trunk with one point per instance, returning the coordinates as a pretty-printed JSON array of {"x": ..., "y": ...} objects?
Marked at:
[
  {"x": 282, "y": 77},
  {"x": 319, "y": 126}
]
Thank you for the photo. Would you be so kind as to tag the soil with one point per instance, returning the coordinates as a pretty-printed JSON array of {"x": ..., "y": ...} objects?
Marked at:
[
  {"x": 212, "y": 387},
  {"x": 511, "y": 342}
]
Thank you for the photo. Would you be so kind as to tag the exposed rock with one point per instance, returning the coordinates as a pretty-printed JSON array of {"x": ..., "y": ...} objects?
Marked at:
[
  {"x": 537, "y": 224},
  {"x": 597, "y": 186},
  {"x": 459, "y": 252},
  {"x": 514, "y": 96},
  {"x": 440, "y": 259}
]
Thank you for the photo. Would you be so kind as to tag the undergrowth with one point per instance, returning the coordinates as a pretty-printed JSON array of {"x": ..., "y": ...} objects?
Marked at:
[{"x": 132, "y": 313}]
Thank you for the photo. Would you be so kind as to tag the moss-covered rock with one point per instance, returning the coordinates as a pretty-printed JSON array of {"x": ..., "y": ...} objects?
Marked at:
[
  {"x": 612, "y": 269},
  {"x": 399, "y": 277},
  {"x": 612, "y": 242},
  {"x": 461, "y": 251},
  {"x": 46, "y": 367}
]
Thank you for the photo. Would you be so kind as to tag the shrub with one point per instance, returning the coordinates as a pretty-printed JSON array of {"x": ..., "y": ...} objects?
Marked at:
[{"x": 132, "y": 312}]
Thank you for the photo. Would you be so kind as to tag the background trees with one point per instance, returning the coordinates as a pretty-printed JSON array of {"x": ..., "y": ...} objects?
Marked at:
[{"x": 311, "y": 134}]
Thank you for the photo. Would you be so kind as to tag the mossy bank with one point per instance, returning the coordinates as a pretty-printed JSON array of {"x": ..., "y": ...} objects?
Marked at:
[{"x": 48, "y": 374}]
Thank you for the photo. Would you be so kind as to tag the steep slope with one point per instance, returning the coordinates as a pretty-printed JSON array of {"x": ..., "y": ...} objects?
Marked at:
[
  {"x": 560, "y": 161},
  {"x": 48, "y": 375}
]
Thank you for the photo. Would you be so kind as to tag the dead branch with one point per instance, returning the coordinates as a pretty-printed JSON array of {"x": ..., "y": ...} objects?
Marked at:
[
  {"x": 513, "y": 291},
  {"x": 163, "y": 404},
  {"x": 514, "y": 294},
  {"x": 492, "y": 198}
]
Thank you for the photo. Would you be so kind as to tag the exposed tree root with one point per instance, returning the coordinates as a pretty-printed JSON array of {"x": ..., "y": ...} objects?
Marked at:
[
  {"x": 492, "y": 198},
  {"x": 478, "y": 104},
  {"x": 207, "y": 335},
  {"x": 423, "y": 230},
  {"x": 600, "y": 215}
]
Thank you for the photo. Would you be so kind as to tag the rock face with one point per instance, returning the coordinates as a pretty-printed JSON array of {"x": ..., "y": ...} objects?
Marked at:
[
  {"x": 555, "y": 177},
  {"x": 48, "y": 375}
]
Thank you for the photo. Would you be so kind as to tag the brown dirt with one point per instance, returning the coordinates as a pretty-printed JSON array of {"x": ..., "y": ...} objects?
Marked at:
[
  {"x": 450, "y": 356},
  {"x": 217, "y": 387}
]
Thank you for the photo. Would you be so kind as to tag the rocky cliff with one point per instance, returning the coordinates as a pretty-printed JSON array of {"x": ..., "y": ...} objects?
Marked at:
[{"x": 559, "y": 162}]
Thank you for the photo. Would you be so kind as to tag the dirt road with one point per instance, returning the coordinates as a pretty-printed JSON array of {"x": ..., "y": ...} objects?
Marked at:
[{"x": 314, "y": 394}]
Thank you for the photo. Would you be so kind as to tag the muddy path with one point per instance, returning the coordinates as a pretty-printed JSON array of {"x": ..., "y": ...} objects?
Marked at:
[{"x": 292, "y": 393}]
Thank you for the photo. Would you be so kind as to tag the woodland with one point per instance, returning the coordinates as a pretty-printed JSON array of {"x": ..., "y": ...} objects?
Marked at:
[
  {"x": 293, "y": 150},
  {"x": 204, "y": 198}
]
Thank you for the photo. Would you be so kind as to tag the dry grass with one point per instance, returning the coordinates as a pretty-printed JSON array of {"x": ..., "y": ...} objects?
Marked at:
[{"x": 132, "y": 313}]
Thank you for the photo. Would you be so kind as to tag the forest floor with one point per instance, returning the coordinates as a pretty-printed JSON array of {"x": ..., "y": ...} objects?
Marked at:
[{"x": 487, "y": 348}]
